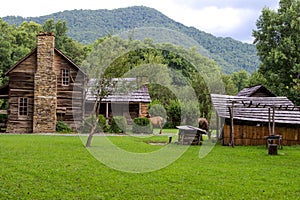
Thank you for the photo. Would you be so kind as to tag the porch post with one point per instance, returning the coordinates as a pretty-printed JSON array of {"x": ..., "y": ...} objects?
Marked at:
[
  {"x": 217, "y": 125},
  {"x": 140, "y": 109},
  {"x": 106, "y": 110}
]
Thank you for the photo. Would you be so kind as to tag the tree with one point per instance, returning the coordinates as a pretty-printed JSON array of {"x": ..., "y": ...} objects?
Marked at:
[
  {"x": 73, "y": 49},
  {"x": 25, "y": 39},
  {"x": 101, "y": 85},
  {"x": 240, "y": 79},
  {"x": 230, "y": 87},
  {"x": 6, "y": 42},
  {"x": 277, "y": 39},
  {"x": 256, "y": 78},
  {"x": 99, "y": 88}
]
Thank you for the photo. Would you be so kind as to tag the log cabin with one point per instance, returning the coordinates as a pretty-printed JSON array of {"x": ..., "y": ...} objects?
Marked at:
[
  {"x": 129, "y": 97},
  {"x": 40, "y": 90},
  {"x": 46, "y": 86}
]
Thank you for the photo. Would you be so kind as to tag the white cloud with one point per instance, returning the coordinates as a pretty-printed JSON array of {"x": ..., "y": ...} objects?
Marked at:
[{"x": 215, "y": 19}]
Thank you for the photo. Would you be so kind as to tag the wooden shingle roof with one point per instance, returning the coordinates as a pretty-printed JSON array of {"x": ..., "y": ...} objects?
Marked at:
[
  {"x": 34, "y": 51},
  {"x": 256, "y": 108},
  {"x": 257, "y": 90},
  {"x": 129, "y": 92}
]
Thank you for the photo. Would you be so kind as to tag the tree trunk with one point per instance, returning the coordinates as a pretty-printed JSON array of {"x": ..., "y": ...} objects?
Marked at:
[
  {"x": 89, "y": 140},
  {"x": 94, "y": 122}
]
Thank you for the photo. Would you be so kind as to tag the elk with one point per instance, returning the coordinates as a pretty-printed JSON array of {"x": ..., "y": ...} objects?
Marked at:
[{"x": 156, "y": 121}]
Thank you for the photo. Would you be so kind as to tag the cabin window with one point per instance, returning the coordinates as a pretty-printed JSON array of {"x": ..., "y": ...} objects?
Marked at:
[
  {"x": 65, "y": 77},
  {"x": 23, "y": 106}
]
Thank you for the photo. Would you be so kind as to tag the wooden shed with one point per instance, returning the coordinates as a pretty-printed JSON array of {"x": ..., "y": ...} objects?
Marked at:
[
  {"x": 128, "y": 98},
  {"x": 253, "y": 118},
  {"x": 40, "y": 89}
]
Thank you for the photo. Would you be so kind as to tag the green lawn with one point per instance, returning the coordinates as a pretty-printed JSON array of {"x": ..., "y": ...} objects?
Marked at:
[{"x": 60, "y": 167}]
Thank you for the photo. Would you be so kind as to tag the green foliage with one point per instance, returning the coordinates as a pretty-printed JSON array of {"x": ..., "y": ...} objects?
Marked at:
[
  {"x": 202, "y": 89},
  {"x": 230, "y": 87},
  {"x": 142, "y": 125},
  {"x": 71, "y": 48},
  {"x": 256, "y": 78},
  {"x": 118, "y": 124},
  {"x": 240, "y": 79},
  {"x": 86, "y": 26},
  {"x": 3, "y": 118},
  {"x": 277, "y": 39},
  {"x": 190, "y": 113},
  {"x": 174, "y": 114},
  {"x": 7, "y": 43},
  {"x": 157, "y": 109},
  {"x": 88, "y": 125},
  {"x": 62, "y": 127},
  {"x": 103, "y": 123}
]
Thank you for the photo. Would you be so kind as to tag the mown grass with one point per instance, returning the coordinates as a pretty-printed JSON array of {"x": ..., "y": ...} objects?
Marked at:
[{"x": 60, "y": 167}]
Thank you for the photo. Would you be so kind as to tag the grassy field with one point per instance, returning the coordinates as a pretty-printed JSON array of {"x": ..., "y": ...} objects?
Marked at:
[{"x": 60, "y": 167}]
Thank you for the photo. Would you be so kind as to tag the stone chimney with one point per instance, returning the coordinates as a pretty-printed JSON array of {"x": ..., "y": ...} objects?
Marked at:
[{"x": 45, "y": 86}]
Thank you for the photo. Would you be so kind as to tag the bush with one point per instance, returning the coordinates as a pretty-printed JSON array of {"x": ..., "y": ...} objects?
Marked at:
[
  {"x": 102, "y": 125},
  {"x": 118, "y": 124},
  {"x": 142, "y": 125},
  {"x": 62, "y": 127},
  {"x": 157, "y": 109},
  {"x": 87, "y": 125},
  {"x": 3, "y": 118},
  {"x": 174, "y": 113}
]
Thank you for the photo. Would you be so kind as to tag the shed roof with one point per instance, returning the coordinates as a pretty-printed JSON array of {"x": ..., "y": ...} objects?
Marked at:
[
  {"x": 256, "y": 108},
  {"x": 257, "y": 89},
  {"x": 125, "y": 90}
]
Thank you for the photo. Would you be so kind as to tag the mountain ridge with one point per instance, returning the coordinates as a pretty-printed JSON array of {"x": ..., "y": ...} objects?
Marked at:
[{"x": 230, "y": 54}]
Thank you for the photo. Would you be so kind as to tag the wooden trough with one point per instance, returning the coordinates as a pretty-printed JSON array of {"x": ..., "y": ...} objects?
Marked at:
[{"x": 190, "y": 135}]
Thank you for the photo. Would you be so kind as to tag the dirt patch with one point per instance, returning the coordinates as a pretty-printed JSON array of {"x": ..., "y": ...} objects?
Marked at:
[{"x": 158, "y": 143}]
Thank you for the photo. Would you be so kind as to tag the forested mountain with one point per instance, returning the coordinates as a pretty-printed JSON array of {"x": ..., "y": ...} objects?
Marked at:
[{"x": 86, "y": 26}]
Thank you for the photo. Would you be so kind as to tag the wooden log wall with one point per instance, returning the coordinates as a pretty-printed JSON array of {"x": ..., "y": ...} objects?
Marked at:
[
  {"x": 21, "y": 84},
  {"x": 144, "y": 109},
  {"x": 254, "y": 135},
  {"x": 70, "y": 97}
]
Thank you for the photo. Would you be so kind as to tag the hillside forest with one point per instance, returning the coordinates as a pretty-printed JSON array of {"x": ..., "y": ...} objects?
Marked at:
[{"x": 86, "y": 26}]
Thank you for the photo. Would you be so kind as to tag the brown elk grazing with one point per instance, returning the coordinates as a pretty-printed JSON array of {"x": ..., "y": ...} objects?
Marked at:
[
  {"x": 203, "y": 124},
  {"x": 156, "y": 121}
]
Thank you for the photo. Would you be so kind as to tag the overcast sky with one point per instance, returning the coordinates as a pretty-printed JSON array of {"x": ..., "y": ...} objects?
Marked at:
[{"x": 226, "y": 18}]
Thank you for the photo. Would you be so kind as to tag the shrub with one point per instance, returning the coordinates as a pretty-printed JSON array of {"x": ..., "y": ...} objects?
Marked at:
[
  {"x": 102, "y": 124},
  {"x": 3, "y": 118},
  {"x": 62, "y": 127},
  {"x": 157, "y": 109},
  {"x": 87, "y": 125},
  {"x": 174, "y": 113},
  {"x": 118, "y": 124},
  {"x": 142, "y": 125}
]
